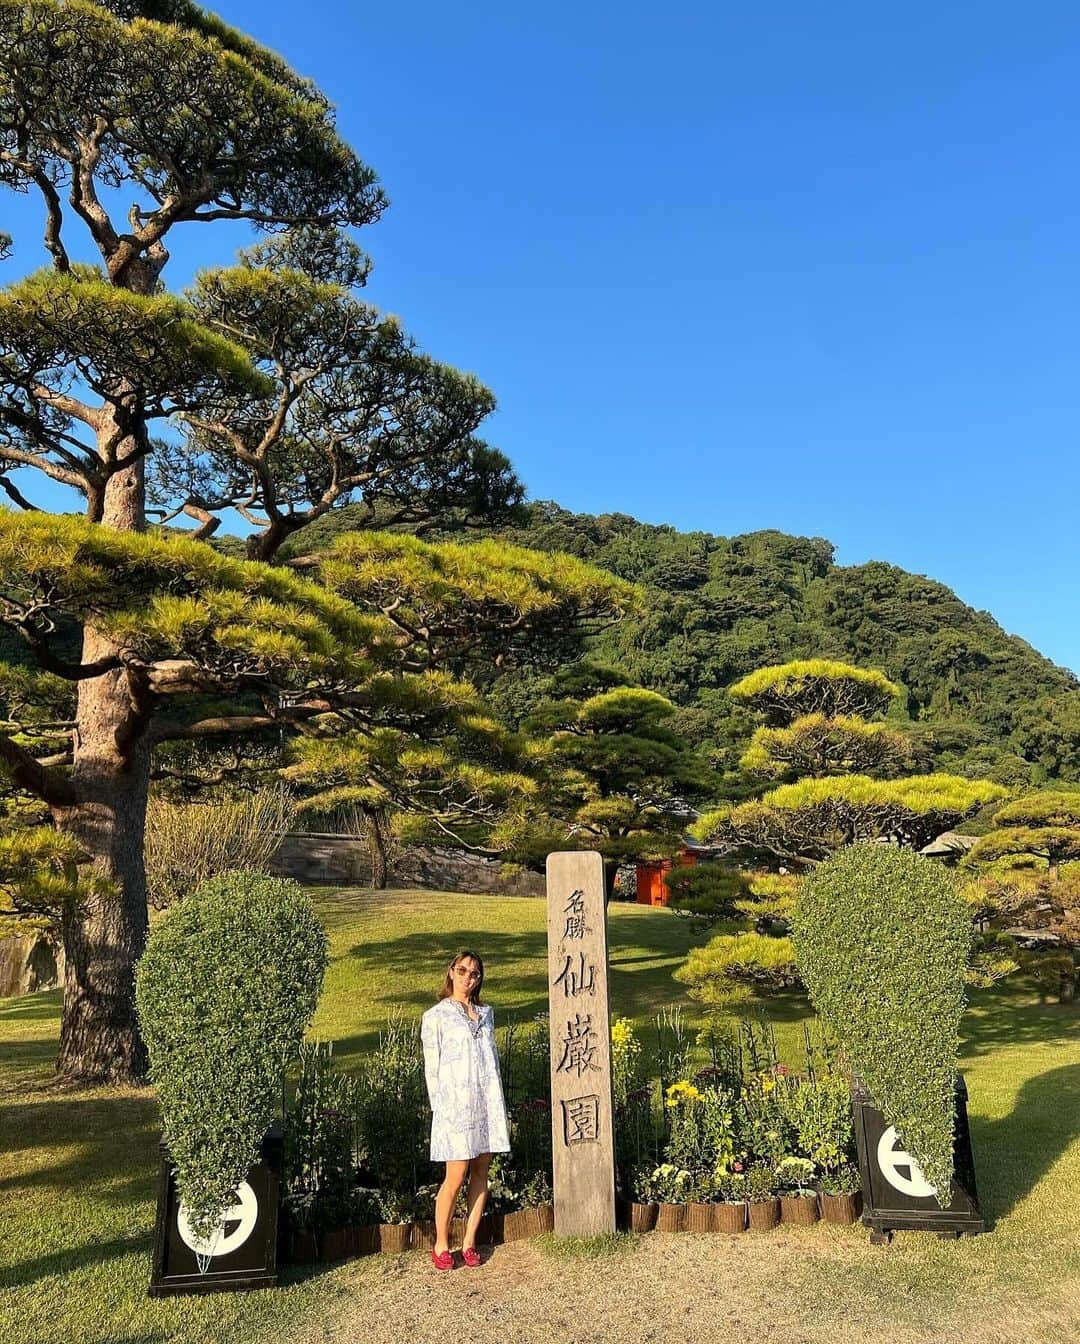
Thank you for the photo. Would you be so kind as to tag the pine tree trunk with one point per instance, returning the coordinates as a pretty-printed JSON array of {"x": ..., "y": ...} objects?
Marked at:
[
  {"x": 377, "y": 852},
  {"x": 99, "y": 1035}
]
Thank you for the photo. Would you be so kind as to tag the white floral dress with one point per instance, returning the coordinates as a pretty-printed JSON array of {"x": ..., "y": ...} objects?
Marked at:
[{"x": 461, "y": 1066}]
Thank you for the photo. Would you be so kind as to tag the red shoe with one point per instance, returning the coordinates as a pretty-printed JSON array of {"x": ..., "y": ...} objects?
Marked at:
[
  {"x": 471, "y": 1256},
  {"x": 442, "y": 1259}
]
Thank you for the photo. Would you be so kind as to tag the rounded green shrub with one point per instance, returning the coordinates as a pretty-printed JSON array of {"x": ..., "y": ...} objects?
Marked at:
[
  {"x": 882, "y": 938},
  {"x": 225, "y": 990}
]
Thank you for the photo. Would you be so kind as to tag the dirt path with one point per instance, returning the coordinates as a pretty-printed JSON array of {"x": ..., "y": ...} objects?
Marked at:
[{"x": 787, "y": 1288}]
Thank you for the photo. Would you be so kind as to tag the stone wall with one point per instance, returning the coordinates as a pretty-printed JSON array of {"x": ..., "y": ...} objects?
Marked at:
[
  {"x": 29, "y": 962},
  {"x": 343, "y": 861}
]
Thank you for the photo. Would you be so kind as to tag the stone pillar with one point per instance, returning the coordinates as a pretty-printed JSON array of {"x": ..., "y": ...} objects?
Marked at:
[{"x": 583, "y": 1146}]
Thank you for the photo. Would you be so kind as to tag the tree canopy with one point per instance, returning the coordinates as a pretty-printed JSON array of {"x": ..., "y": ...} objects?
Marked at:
[
  {"x": 618, "y": 778},
  {"x": 1041, "y": 827}
]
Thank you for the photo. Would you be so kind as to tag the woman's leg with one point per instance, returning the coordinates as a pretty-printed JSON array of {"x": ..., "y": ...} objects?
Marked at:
[
  {"x": 445, "y": 1200},
  {"x": 476, "y": 1197}
]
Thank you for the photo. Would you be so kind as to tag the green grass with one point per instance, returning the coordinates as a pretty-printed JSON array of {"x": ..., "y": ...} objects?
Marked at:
[
  {"x": 600, "y": 1247},
  {"x": 77, "y": 1168}
]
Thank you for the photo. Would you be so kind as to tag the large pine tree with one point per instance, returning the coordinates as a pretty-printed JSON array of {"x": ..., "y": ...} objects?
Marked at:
[{"x": 291, "y": 397}]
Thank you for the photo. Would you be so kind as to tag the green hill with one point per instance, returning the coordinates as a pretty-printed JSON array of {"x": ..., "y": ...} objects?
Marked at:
[{"x": 982, "y": 702}]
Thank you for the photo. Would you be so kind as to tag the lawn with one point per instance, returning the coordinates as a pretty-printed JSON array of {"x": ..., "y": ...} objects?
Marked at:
[{"x": 77, "y": 1171}]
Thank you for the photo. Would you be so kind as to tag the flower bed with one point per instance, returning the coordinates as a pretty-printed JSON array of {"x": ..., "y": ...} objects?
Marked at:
[
  {"x": 745, "y": 1143},
  {"x": 358, "y": 1178}
]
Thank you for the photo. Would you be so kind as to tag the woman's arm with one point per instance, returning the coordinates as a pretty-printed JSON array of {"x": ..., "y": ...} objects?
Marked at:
[{"x": 429, "y": 1036}]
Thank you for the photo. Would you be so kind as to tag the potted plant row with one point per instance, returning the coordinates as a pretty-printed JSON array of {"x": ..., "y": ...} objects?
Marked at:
[
  {"x": 758, "y": 1198},
  {"x": 305, "y": 1245}
]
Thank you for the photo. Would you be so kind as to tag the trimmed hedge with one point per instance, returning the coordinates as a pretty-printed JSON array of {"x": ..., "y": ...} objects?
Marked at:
[
  {"x": 225, "y": 990},
  {"x": 882, "y": 938}
]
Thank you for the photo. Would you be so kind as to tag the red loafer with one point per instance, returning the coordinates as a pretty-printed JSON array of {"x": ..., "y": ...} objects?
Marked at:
[
  {"x": 471, "y": 1256},
  {"x": 442, "y": 1259}
]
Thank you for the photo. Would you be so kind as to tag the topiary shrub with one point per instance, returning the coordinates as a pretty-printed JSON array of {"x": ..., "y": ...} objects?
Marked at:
[
  {"x": 882, "y": 938},
  {"x": 225, "y": 990}
]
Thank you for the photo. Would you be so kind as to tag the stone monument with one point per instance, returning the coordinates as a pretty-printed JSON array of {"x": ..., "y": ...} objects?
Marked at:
[{"x": 582, "y": 1138}]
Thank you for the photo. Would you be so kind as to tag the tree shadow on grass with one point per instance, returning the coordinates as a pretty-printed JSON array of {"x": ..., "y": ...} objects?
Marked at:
[
  {"x": 96, "y": 1152},
  {"x": 1021, "y": 1147},
  {"x": 995, "y": 1019},
  {"x": 114, "y": 1137},
  {"x": 408, "y": 971},
  {"x": 73, "y": 1258},
  {"x": 37, "y": 1007}
]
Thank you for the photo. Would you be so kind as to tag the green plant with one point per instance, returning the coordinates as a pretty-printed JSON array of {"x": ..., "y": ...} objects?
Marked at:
[
  {"x": 393, "y": 1115},
  {"x": 883, "y": 938},
  {"x": 530, "y": 1138},
  {"x": 395, "y": 1206},
  {"x": 536, "y": 1190},
  {"x": 760, "y": 1183},
  {"x": 794, "y": 1175},
  {"x": 842, "y": 1180},
  {"x": 702, "y": 1129},
  {"x": 672, "y": 1046},
  {"x": 641, "y": 1184},
  {"x": 817, "y": 1117},
  {"x": 731, "y": 1187},
  {"x": 637, "y": 1143},
  {"x": 188, "y": 843},
  {"x": 525, "y": 1060},
  {"x": 224, "y": 991},
  {"x": 759, "y": 1119},
  {"x": 725, "y": 1056},
  {"x": 625, "y": 1060},
  {"x": 670, "y": 1183},
  {"x": 321, "y": 1136}
]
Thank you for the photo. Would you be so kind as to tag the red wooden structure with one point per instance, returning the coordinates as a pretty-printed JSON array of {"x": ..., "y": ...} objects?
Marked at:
[{"x": 650, "y": 877}]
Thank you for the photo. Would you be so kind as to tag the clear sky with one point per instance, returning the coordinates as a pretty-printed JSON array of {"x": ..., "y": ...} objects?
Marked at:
[{"x": 811, "y": 266}]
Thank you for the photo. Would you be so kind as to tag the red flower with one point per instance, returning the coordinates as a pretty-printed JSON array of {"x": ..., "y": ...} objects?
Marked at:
[{"x": 736, "y": 1166}]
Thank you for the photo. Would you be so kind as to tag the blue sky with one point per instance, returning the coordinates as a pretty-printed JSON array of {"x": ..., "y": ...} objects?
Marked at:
[{"x": 811, "y": 266}]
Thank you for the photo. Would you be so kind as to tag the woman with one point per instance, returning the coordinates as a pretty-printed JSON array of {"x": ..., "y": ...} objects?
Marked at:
[{"x": 468, "y": 1113}]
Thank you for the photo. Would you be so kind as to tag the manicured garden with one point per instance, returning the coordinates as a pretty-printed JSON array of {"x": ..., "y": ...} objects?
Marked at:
[{"x": 79, "y": 1167}]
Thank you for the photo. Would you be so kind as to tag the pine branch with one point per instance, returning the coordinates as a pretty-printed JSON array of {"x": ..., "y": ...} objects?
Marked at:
[{"x": 27, "y": 772}]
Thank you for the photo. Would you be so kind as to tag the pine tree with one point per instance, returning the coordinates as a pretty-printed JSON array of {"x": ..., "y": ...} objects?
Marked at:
[
  {"x": 817, "y": 733},
  {"x": 291, "y": 397}
]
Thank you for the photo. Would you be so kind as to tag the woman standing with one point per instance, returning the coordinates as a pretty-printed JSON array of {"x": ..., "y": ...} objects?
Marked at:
[{"x": 468, "y": 1113}]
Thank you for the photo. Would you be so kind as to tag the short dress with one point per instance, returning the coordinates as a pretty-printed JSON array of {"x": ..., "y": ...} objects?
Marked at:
[{"x": 461, "y": 1066}]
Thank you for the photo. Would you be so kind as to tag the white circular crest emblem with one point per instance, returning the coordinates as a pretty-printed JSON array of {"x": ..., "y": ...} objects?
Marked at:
[
  {"x": 234, "y": 1227},
  {"x": 890, "y": 1159}
]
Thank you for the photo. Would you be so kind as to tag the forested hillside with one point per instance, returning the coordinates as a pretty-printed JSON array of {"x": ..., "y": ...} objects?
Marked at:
[{"x": 983, "y": 702}]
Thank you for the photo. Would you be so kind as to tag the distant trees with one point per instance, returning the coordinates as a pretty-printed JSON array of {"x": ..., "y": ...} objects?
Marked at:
[
  {"x": 1027, "y": 882},
  {"x": 983, "y": 703},
  {"x": 1040, "y": 827}
]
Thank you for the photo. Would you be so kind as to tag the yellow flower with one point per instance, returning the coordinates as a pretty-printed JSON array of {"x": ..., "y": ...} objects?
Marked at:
[
  {"x": 622, "y": 1031},
  {"x": 681, "y": 1091}
]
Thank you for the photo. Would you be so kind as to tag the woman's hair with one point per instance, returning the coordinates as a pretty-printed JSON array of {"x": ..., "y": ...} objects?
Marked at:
[{"x": 448, "y": 983}]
